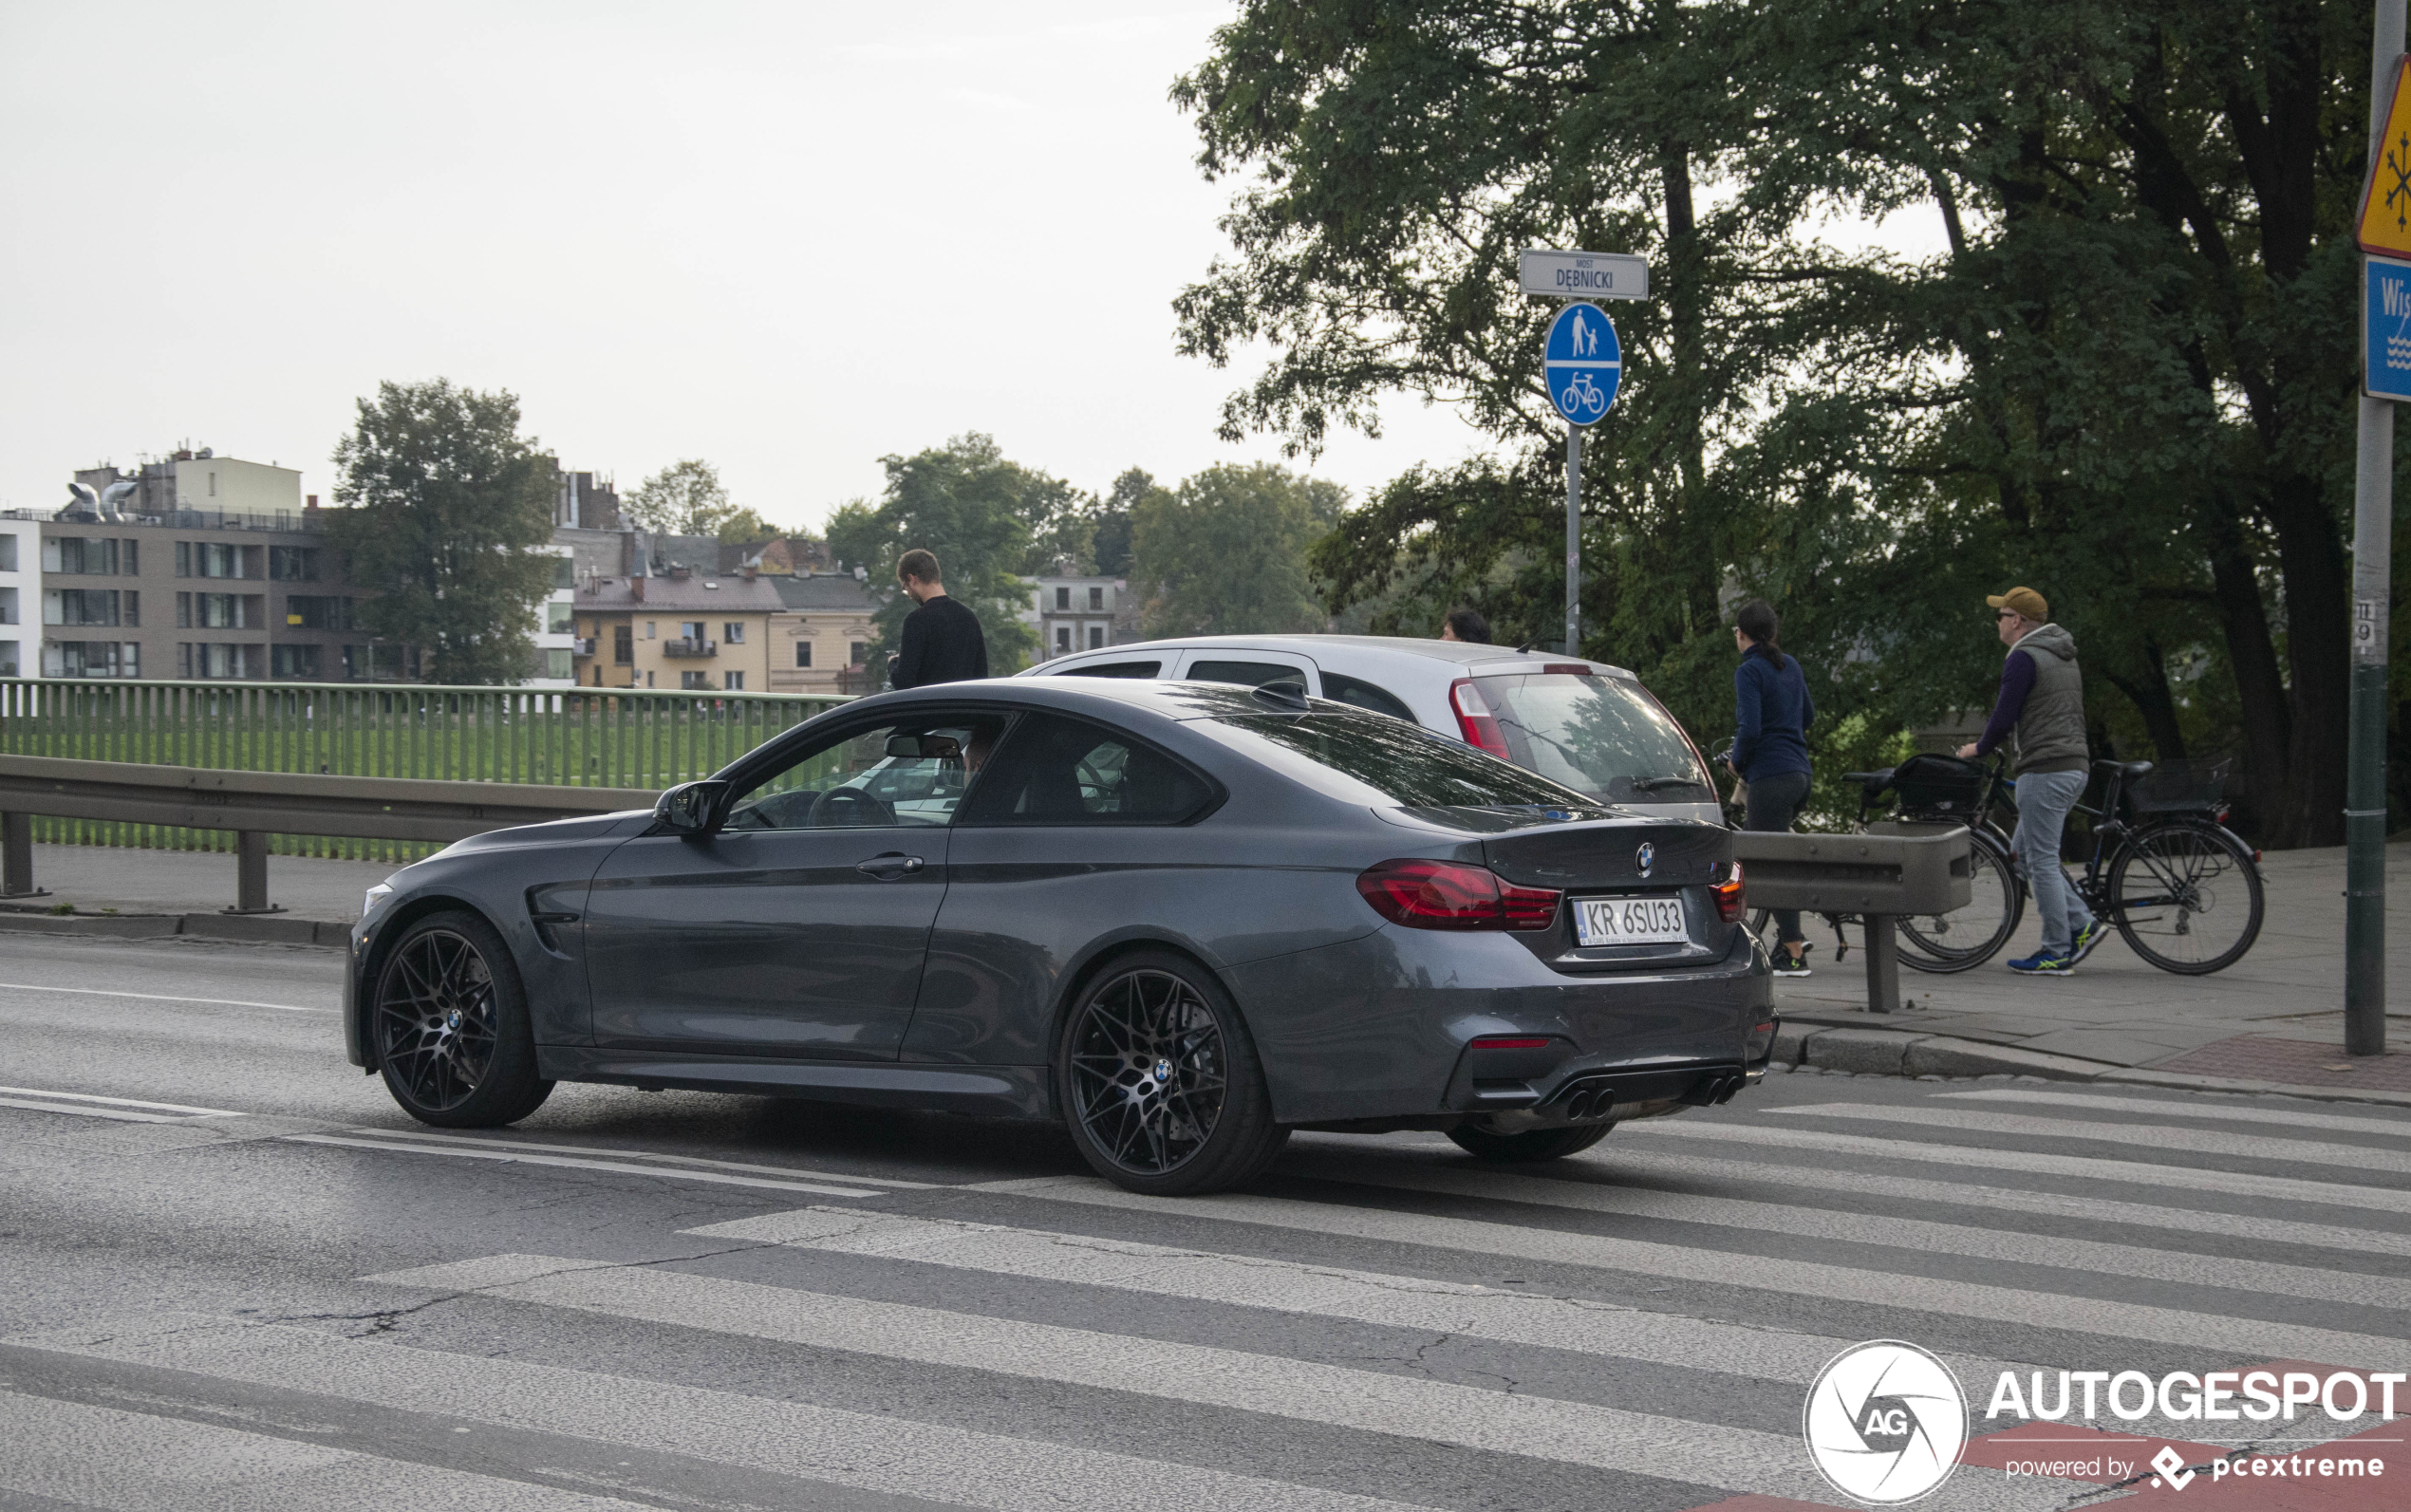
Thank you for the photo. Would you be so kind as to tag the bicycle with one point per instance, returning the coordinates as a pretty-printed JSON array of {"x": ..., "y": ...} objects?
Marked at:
[
  {"x": 2162, "y": 867},
  {"x": 1583, "y": 397}
]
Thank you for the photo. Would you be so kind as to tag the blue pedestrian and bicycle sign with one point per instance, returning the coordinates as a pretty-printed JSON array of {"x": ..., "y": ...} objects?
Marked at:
[{"x": 1585, "y": 362}]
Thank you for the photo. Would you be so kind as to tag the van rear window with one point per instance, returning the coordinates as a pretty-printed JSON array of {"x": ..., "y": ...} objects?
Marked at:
[
  {"x": 1598, "y": 735},
  {"x": 1401, "y": 763}
]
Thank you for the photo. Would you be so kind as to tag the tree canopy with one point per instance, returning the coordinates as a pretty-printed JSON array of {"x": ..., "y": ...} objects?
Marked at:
[
  {"x": 1225, "y": 554},
  {"x": 684, "y": 498},
  {"x": 447, "y": 504},
  {"x": 2126, "y": 381}
]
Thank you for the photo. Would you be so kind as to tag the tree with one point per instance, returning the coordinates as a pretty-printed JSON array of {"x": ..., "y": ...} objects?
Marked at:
[
  {"x": 744, "y": 523},
  {"x": 1109, "y": 533},
  {"x": 447, "y": 504},
  {"x": 1227, "y": 555},
  {"x": 979, "y": 513},
  {"x": 684, "y": 498},
  {"x": 2127, "y": 381}
]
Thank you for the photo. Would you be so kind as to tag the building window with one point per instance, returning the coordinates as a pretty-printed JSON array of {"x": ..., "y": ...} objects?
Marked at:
[
  {"x": 133, "y": 607},
  {"x": 692, "y": 631},
  {"x": 803, "y": 653},
  {"x": 7, "y": 551},
  {"x": 1062, "y": 598},
  {"x": 81, "y": 555},
  {"x": 734, "y": 681},
  {"x": 220, "y": 611},
  {"x": 312, "y": 611},
  {"x": 1062, "y": 638},
  {"x": 623, "y": 645},
  {"x": 183, "y": 559},
  {"x": 648, "y": 630},
  {"x": 220, "y": 659},
  {"x": 80, "y": 607},
  {"x": 733, "y": 632},
  {"x": 560, "y": 618},
  {"x": 293, "y": 661},
  {"x": 694, "y": 682},
  {"x": 556, "y": 664},
  {"x": 185, "y": 617},
  {"x": 858, "y": 652},
  {"x": 130, "y": 553},
  {"x": 565, "y": 573},
  {"x": 648, "y": 679},
  {"x": 285, "y": 564},
  {"x": 216, "y": 559},
  {"x": 185, "y": 658},
  {"x": 92, "y": 659},
  {"x": 1096, "y": 598},
  {"x": 1096, "y": 637}
]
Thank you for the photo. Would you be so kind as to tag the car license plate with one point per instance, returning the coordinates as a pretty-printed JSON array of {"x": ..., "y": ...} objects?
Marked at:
[{"x": 1630, "y": 922}]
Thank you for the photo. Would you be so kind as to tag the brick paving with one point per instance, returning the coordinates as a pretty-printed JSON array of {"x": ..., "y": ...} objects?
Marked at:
[{"x": 2302, "y": 1062}]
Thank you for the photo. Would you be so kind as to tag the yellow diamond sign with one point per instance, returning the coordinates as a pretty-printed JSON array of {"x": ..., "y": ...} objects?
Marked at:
[{"x": 2386, "y": 201}]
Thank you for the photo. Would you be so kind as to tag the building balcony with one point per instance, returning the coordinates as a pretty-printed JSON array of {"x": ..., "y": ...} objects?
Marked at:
[
  {"x": 582, "y": 646},
  {"x": 690, "y": 648}
]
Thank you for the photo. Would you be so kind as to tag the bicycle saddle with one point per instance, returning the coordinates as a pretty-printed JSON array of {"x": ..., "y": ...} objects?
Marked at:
[
  {"x": 2129, "y": 768},
  {"x": 1873, "y": 782}
]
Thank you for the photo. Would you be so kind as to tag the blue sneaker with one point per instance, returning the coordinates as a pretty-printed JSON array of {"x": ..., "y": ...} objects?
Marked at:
[
  {"x": 2093, "y": 935},
  {"x": 2044, "y": 964}
]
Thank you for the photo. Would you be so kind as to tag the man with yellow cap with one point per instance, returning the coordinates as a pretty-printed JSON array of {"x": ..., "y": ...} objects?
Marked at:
[{"x": 2042, "y": 702}]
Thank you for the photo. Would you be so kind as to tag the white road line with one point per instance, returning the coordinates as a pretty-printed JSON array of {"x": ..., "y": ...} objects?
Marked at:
[
  {"x": 2027, "y": 1308},
  {"x": 647, "y": 1154},
  {"x": 1920, "y": 1234},
  {"x": 2220, "y": 1110},
  {"x": 122, "y": 1114},
  {"x": 878, "y": 1453},
  {"x": 2151, "y": 1136},
  {"x": 2091, "y": 1168},
  {"x": 133, "y": 1462},
  {"x": 162, "y": 997},
  {"x": 1611, "y": 1162},
  {"x": 624, "y": 1167},
  {"x": 119, "y": 1102},
  {"x": 1728, "y": 1457},
  {"x": 1318, "y": 1291}
]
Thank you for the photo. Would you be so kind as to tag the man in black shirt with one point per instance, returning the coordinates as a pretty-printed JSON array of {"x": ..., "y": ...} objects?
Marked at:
[{"x": 941, "y": 640}]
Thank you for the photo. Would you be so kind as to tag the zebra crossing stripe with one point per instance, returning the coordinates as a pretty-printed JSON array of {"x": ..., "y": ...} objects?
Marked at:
[
  {"x": 2151, "y": 1136},
  {"x": 2088, "y": 1167},
  {"x": 71, "y": 1453},
  {"x": 1290, "y": 1286},
  {"x": 1366, "y": 1400},
  {"x": 2184, "y": 1267},
  {"x": 510, "y": 1156},
  {"x": 1888, "y": 1289},
  {"x": 2227, "y": 1110},
  {"x": 860, "y": 1451}
]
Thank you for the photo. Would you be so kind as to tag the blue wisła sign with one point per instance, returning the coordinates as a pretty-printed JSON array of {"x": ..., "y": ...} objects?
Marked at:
[
  {"x": 2386, "y": 330},
  {"x": 1585, "y": 362}
]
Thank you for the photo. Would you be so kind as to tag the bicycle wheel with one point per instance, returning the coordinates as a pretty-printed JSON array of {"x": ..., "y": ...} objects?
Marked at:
[
  {"x": 2187, "y": 897},
  {"x": 1967, "y": 937}
]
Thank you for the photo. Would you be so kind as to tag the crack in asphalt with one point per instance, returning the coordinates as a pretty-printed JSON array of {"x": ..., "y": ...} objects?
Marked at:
[{"x": 387, "y": 1319}]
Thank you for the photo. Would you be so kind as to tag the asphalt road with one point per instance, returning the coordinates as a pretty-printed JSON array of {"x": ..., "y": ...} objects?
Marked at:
[{"x": 238, "y": 1277}]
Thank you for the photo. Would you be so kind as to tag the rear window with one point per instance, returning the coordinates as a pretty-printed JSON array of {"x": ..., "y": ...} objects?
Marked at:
[
  {"x": 1245, "y": 674},
  {"x": 1400, "y": 762},
  {"x": 1600, "y": 737},
  {"x": 1115, "y": 670}
]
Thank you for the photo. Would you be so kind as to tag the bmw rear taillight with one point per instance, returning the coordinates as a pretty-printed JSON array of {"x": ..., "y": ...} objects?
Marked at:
[
  {"x": 1729, "y": 900},
  {"x": 1451, "y": 895},
  {"x": 1476, "y": 721}
]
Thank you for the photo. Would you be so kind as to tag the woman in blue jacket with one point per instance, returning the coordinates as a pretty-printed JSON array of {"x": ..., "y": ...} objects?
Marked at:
[{"x": 1771, "y": 713}]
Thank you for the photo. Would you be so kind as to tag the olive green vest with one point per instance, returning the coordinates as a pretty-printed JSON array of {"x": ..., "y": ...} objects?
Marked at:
[{"x": 2050, "y": 733}]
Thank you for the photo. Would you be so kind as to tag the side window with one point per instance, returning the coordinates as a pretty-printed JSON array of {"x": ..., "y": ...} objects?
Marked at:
[
  {"x": 1057, "y": 770},
  {"x": 911, "y": 774},
  {"x": 1245, "y": 674},
  {"x": 1356, "y": 691},
  {"x": 1117, "y": 669}
]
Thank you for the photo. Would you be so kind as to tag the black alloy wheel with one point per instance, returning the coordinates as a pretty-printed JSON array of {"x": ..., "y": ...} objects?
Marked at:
[
  {"x": 1162, "y": 1089},
  {"x": 1530, "y": 1146},
  {"x": 451, "y": 1027}
]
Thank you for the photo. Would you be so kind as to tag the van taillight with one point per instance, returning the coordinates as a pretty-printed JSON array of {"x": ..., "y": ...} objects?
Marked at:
[
  {"x": 1475, "y": 719},
  {"x": 1451, "y": 895},
  {"x": 1729, "y": 900}
]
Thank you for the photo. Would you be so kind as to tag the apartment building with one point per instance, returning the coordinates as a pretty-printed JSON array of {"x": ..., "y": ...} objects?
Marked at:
[
  {"x": 821, "y": 641},
  {"x": 20, "y": 589},
  {"x": 682, "y": 629},
  {"x": 1072, "y": 612}
]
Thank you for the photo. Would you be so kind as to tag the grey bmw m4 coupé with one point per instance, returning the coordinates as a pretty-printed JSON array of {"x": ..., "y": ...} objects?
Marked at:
[{"x": 1182, "y": 918}]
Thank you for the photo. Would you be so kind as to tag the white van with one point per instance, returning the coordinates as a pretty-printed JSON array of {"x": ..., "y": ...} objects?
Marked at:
[{"x": 1586, "y": 724}]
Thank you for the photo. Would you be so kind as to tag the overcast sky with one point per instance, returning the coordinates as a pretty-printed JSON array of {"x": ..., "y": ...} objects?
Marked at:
[{"x": 788, "y": 238}]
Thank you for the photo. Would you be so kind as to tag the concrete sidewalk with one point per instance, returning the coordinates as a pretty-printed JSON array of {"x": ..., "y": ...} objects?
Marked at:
[{"x": 2275, "y": 1017}]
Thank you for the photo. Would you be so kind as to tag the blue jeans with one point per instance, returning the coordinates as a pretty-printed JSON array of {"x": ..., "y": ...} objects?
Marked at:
[{"x": 2044, "y": 799}]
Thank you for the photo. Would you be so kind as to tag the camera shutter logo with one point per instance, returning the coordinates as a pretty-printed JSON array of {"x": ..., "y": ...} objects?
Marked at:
[{"x": 1885, "y": 1422}]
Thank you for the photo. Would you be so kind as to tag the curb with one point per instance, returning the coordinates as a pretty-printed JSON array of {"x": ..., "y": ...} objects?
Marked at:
[
  {"x": 1906, "y": 1053},
  {"x": 259, "y": 929}
]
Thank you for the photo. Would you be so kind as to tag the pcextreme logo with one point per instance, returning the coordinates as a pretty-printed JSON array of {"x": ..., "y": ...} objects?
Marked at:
[{"x": 1885, "y": 1422}]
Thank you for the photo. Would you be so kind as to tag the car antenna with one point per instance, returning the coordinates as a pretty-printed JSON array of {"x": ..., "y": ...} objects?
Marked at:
[{"x": 1287, "y": 695}]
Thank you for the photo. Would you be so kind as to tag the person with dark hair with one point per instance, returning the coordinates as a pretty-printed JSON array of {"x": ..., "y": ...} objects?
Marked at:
[
  {"x": 943, "y": 641},
  {"x": 1771, "y": 715},
  {"x": 1465, "y": 622}
]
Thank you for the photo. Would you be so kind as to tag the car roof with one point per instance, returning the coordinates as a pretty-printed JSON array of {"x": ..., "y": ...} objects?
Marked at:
[
  {"x": 1172, "y": 700},
  {"x": 1459, "y": 653}
]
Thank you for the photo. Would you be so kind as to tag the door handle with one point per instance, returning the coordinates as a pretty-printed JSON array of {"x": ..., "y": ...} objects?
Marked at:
[{"x": 890, "y": 867}]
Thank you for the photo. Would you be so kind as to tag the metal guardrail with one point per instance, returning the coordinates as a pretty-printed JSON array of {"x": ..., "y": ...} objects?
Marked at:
[
  {"x": 256, "y": 803},
  {"x": 1880, "y": 877},
  {"x": 630, "y": 738}
]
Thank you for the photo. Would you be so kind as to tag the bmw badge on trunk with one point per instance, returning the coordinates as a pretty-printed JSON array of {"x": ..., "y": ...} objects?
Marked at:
[{"x": 1646, "y": 858}]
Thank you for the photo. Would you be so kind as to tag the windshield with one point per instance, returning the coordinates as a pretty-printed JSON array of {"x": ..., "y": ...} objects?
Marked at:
[
  {"x": 1399, "y": 762},
  {"x": 1598, "y": 735}
]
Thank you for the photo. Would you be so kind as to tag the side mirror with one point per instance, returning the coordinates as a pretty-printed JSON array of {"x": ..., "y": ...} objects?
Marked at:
[{"x": 689, "y": 809}]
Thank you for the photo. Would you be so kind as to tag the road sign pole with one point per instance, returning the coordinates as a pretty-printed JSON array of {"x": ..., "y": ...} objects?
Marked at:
[
  {"x": 1573, "y": 540},
  {"x": 2365, "y": 992}
]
